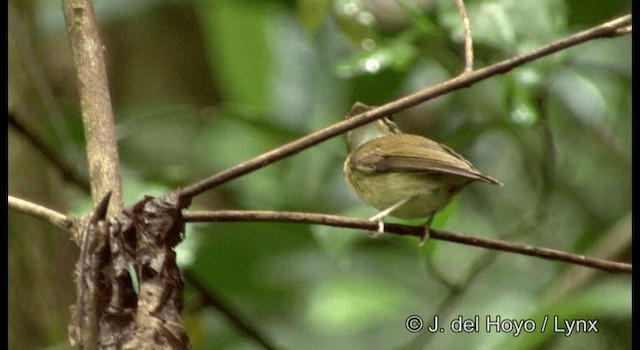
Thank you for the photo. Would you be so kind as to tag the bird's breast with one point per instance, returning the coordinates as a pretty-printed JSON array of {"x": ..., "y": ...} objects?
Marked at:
[{"x": 428, "y": 192}]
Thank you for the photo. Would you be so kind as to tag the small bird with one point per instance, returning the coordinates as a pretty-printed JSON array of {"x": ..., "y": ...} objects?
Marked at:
[{"x": 403, "y": 175}]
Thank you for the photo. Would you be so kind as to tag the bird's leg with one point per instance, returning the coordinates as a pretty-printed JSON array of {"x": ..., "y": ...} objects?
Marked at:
[
  {"x": 379, "y": 218},
  {"x": 427, "y": 226}
]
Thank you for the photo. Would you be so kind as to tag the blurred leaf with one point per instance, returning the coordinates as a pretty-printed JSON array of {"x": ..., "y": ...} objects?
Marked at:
[
  {"x": 348, "y": 305},
  {"x": 312, "y": 13},
  {"x": 493, "y": 25},
  {"x": 397, "y": 55},
  {"x": 498, "y": 23},
  {"x": 236, "y": 40},
  {"x": 338, "y": 242},
  {"x": 587, "y": 304},
  {"x": 580, "y": 95},
  {"x": 356, "y": 23},
  {"x": 417, "y": 15},
  {"x": 197, "y": 330},
  {"x": 581, "y": 12}
]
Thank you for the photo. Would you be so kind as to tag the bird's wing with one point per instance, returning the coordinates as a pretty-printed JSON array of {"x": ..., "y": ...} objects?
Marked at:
[{"x": 414, "y": 154}]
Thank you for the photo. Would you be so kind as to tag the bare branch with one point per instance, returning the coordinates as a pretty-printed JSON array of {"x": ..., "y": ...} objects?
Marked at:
[
  {"x": 417, "y": 231},
  {"x": 609, "y": 29},
  {"x": 104, "y": 163},
  {"x": 95, "y": 102},
  {"x": 45, "y": 214},
  {"x": 624, "y": 30},
  {"x": 468, "y": 41}
]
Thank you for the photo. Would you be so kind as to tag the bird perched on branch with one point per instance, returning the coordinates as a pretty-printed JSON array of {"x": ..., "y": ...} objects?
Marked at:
[{"x": 403, "y": 175}]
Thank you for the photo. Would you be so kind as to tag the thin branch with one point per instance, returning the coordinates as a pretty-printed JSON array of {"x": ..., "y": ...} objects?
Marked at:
[
  {"x": 102, "y": 156},
  {"x": 216, "y": 302},
  {"x": 624, "y": 30},
  {"x": 417, "y": 231},
  {"x": 609, "y": 29},
  {"x": 39, "y": 212},
  {"x": 468, "y": 41},
  {"x": 95, "y": 102},
  {"x": 67, "y": 171}
]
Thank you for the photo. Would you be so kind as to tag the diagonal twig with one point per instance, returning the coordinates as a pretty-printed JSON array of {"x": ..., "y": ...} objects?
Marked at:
[
  {"x": 45, "y": 214},
  {"x": 612, "y": 28},
  {"x": 68, "y": 172},
  {"x": 213, "y": 300}
]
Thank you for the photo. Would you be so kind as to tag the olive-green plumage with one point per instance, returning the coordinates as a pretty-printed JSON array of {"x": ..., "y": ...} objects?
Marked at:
[{"x": 386, "y": 167}]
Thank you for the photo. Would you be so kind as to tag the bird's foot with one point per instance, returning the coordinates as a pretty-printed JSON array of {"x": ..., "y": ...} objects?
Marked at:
[
  {"x": 425, "y": 235},
  {"x": 379, "y": 219}
]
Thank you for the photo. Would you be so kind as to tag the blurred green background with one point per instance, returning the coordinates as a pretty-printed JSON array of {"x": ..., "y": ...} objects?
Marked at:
[{"x": 199, "y": 86}]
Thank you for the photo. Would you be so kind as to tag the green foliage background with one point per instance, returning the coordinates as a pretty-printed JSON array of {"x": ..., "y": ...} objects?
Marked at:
[{"x": 199, "y": 86}]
